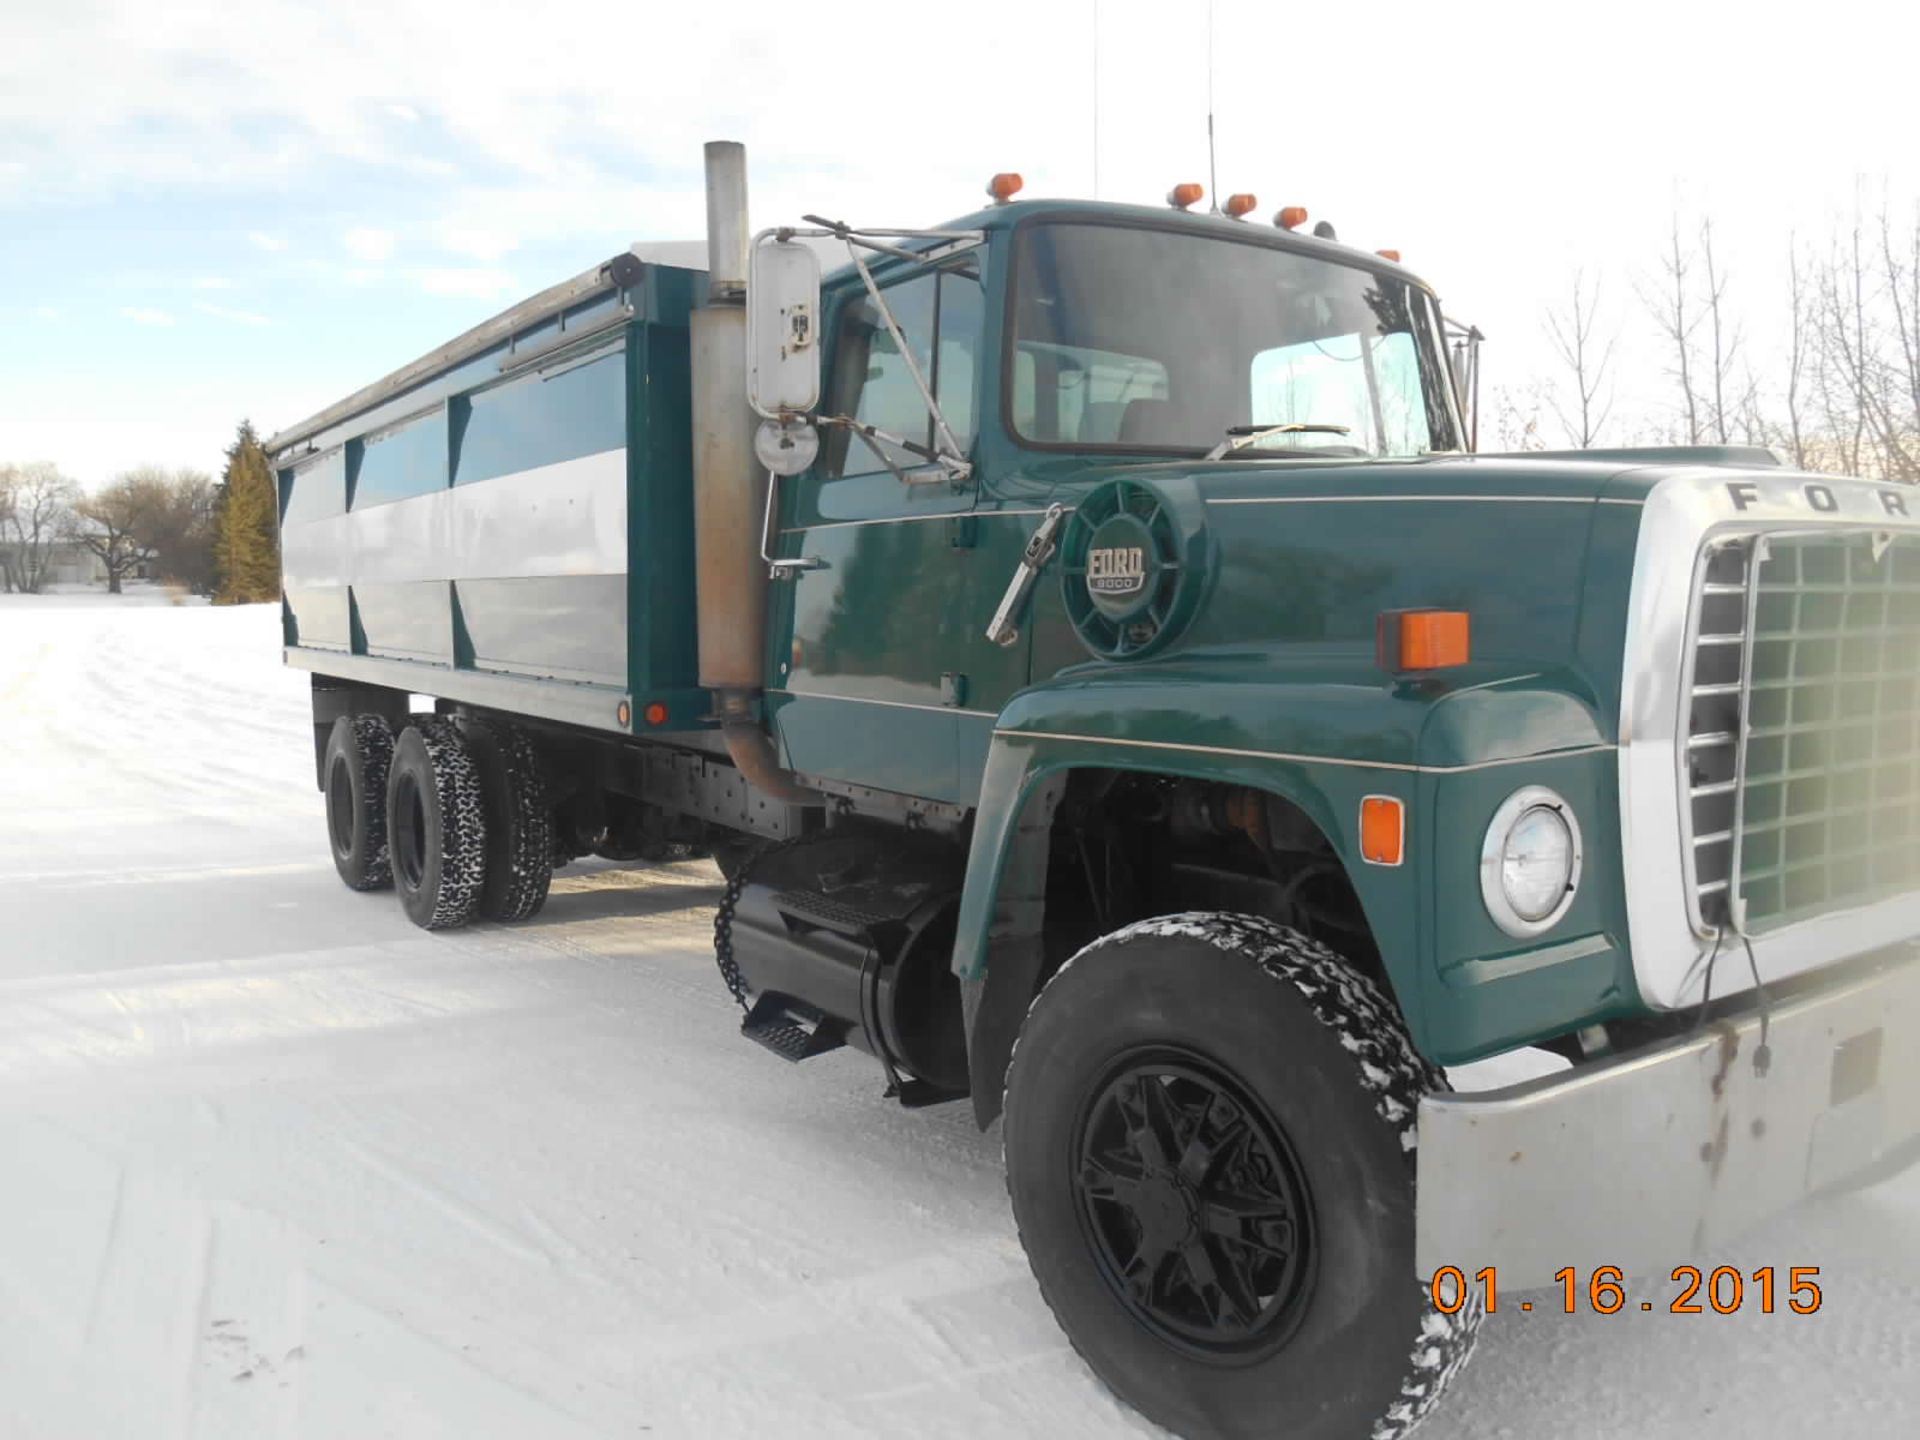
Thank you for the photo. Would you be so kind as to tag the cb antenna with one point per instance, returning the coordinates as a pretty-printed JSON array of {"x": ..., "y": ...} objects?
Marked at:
[{"x": 1213, "y": 176}]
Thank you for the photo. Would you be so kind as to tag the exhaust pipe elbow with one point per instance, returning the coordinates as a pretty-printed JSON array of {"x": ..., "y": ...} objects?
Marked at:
[{"x": 754, "y": 757}]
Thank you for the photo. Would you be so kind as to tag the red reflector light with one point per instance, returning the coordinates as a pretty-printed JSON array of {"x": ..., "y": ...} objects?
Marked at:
[
  {"x": 1422, "y": 639},
  {"x": 1383, "y": 830},
  {"x": 656, "y": 713}
]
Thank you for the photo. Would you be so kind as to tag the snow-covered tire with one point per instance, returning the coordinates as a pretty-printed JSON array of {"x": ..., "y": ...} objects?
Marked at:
[
  {"x": 436, "y": 825},
  {"x": 1287, "y": 1087},
  {"x": 519, "y": 820},
  {"x": 359, "y": 750}
]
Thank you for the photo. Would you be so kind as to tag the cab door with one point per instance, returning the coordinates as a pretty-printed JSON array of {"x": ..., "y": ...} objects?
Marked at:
[{"x": 870, "y": 649}]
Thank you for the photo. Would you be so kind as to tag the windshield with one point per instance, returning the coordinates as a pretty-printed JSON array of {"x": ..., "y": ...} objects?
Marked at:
[{"x": 1150, "y": 339}]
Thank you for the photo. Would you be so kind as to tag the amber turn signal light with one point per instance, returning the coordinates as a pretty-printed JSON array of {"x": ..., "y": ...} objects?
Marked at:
[
  {"x": 1182, "y": 196},
  {"x": 1004, "y": 186},
  {"x": 1393, "y": 255},
  {"x": 1383, "y": 830},
  {"x": 1422, "y": 639},
  {"x": 1291, "y": 217},
  {"x": 1241, "y": 204}
]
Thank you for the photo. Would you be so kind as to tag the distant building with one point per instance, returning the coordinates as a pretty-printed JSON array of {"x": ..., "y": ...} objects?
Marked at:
[{"x": 68, "y": 562}]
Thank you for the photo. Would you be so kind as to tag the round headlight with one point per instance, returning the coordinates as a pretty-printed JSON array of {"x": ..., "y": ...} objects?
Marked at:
[{"x": 1530, "y": 863}]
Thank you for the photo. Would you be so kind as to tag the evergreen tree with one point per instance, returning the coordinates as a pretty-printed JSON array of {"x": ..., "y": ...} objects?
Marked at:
[{"x": 247, "y": 548}]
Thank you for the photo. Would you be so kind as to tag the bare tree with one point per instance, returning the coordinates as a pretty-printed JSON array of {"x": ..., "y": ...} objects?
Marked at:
[
  {"x": 1866, "y": 331},
  {"x": 1722, "y": 332},
  {"x": 1799, "y": 344},
  {"x": 1516, "y": 418},
  {"x": 36, "y": 508},
  {"x": 123, "y": 524},
  {"x": 1673, "y": 308},
  {"x": 1574, "y": 342}
]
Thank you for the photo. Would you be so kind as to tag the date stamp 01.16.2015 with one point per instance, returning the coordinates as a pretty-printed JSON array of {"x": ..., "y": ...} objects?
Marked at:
[{"x": 1603, "y": 1290}]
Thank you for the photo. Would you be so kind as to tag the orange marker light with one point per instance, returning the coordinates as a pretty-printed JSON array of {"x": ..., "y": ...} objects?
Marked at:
[
  {"x": 1004, "y": 186},
  {"x": 656, "y": 714},
  {"x": 623, "y": 714},
  {"x": 1181, "y": 196},
  {"x": 1393, "y": 255},
  {"x": 1422, "y": 639},
  {"x": 1291, "y": 217},
  {"x": 1383, "y": 830},
  {"x": 1241, "y": 204}
]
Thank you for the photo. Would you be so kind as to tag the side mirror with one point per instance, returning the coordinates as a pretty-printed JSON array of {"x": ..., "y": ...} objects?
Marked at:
[{"x": 783, "y": 325}]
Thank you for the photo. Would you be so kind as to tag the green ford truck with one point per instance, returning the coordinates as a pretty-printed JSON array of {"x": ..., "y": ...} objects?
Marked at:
[{"x": 1119, "y": 698}]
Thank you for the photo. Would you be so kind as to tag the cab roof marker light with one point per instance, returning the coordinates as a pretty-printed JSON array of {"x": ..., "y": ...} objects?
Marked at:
[
  {"x": 1183, "y": 197},
  {"x": 1393, "y": 255},
  {"x": 1004, "y": 186},
  {"x": 1290, "y": 217},
  {"x": 1241, "y": 205}
]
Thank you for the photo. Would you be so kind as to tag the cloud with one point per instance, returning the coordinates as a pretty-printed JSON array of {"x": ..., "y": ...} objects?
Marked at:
[
  {"x": 142, "y": 315},
  {"x": 469, "y": 282},
  {"x": 403, "y": 112},
  {"x": 262, "y": 240},
  {"x": 45, "y": 312},
  {"x": 477, "y": 243},
  {"x": 366, "y": 243},
  {"x": 213, "y": 282},
  {"x": 221, "y": 312}
]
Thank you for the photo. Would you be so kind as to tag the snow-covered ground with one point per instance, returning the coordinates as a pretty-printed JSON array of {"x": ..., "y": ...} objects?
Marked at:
[{"x": 274, "y": 1163}]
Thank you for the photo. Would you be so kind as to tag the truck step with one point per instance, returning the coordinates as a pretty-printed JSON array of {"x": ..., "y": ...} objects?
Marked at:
[{"x": 790, "y": 1030}]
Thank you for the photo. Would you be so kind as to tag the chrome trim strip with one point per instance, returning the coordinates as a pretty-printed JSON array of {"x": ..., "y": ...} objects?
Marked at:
[
  {"x": 1504, "y": 967},
  {"x": 908, "y": 519},
  {"x": 1299, "y": 759},
  {"x": 1380, "y": 499},
  {"x": 892, "y": 704}
]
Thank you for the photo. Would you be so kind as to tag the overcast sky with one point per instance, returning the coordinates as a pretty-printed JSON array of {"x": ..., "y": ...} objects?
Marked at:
[{"x": 209, "y": 210}]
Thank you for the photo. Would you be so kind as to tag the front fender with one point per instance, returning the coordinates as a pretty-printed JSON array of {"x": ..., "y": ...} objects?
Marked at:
[{"x": 1323, "y": 735}]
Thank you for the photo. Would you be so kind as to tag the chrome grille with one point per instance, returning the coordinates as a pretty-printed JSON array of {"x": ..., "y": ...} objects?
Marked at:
[{"x": 1802, "y": 761}]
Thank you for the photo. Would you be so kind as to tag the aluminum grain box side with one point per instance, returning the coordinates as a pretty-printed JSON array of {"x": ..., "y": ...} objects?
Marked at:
[{"x": 507, "y": 522}]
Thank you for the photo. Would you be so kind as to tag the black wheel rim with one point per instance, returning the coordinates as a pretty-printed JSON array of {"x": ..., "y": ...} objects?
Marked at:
[
  {"x": 1194, "y": 1205},
  {"x": 340, "y": 809},
  {"x": 409, "y": 832}
]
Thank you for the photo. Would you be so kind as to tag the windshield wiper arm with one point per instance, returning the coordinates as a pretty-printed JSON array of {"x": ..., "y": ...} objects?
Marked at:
[{"x": 1241, "y": 436}]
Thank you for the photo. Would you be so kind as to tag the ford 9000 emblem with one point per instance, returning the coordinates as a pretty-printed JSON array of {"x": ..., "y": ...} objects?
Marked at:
[{"x": 1117, "y": 570}]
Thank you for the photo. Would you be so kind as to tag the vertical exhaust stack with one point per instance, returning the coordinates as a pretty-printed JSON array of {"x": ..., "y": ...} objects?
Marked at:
[{"x": 729, "y": 488}]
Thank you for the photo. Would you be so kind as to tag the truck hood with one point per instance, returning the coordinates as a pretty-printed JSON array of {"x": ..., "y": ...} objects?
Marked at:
[{"x": 1293, "y": 563}]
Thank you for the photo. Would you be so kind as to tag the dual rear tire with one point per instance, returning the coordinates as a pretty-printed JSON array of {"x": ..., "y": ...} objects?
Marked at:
[{"x": 453, "y": 815}]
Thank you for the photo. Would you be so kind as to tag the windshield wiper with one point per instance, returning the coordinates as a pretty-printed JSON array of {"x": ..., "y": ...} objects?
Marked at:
[{"x": 1241, "y": 436}]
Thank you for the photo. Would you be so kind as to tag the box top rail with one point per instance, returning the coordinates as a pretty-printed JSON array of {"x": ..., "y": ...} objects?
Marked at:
[{"x": 621, "y": 269}]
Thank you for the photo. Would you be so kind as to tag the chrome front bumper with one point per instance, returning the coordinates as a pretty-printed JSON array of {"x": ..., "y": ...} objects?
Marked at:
[{"x": 1647, "y": 1161}]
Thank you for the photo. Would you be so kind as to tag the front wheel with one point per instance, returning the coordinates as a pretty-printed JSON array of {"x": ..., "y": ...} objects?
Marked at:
[{"x": 1210, "y": 1129}]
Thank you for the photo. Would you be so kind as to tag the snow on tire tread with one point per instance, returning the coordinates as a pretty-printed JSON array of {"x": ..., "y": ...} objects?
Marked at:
[{"x": 463, "y": 837}]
